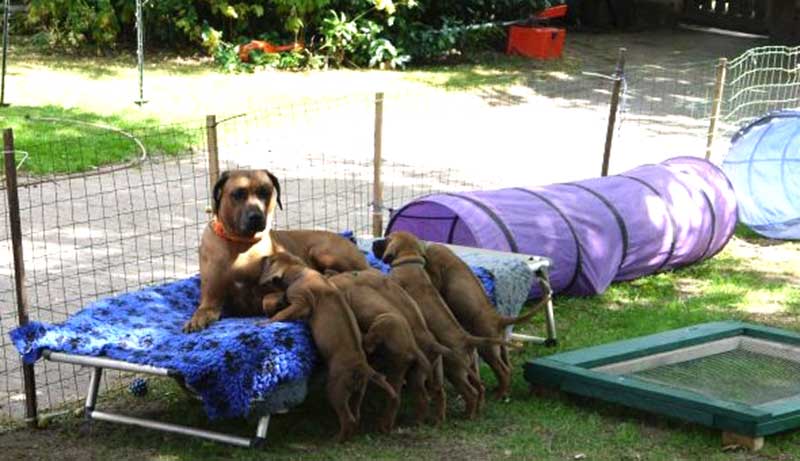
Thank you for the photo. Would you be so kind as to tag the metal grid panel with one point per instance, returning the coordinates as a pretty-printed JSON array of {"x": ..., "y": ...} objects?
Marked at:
[{"x": 759, "y": 81}]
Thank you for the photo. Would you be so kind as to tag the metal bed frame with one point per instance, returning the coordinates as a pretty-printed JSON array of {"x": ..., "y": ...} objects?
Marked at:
[
  {"x": 91, "y": 413},
  {"x": 539, "y": 265}
]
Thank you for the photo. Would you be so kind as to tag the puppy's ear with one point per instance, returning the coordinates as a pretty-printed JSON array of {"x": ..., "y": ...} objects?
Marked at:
[
  {"x": 378, "y": 248},
  {"x": 271, "y": 272},
  {"x": 423, "y": 249},
  {"x": 216, "y": 193},
  {"x": 277, "y": 185}
]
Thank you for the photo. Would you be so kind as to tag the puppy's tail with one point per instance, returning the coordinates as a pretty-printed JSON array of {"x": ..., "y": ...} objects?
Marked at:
[
  {"x": 506, "y": 321},
  {"x": 483, "y": 341},
  {"x": 435, "y": 348},
  {"x": 422, "y": 362},
  {"x": 381, "y": 381}
]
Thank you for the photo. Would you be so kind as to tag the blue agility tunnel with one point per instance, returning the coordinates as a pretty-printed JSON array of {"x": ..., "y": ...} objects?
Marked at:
[{"x": 763, "y": 164}]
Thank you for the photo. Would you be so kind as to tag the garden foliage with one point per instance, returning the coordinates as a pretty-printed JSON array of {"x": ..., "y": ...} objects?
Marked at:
[{"x": 336, "y": 33}]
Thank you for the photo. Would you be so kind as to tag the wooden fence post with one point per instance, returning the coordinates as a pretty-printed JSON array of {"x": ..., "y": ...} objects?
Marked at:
[
  {"x": 716, "y": 106},
  {"x": 29, "y": 377},
  {"x": 377, "y": 185},
  {"x": 213, "y": 154},
  {"x": 612, "y": 115}
]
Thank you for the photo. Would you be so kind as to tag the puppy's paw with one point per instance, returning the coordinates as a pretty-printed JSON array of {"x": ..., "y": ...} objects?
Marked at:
[{"x": 201, "y": 319}]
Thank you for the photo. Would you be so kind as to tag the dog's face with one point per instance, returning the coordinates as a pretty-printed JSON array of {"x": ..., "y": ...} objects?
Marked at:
[
  {"x": 245, "y": 200},
  {"x": 274, "y": 268},
  {"x": 398, "y": 244}
]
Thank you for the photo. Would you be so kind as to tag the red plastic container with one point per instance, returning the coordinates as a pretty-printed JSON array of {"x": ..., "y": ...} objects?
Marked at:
[
  {"x": 536, "y": 42},
  {"x": 558, "y": 11}
]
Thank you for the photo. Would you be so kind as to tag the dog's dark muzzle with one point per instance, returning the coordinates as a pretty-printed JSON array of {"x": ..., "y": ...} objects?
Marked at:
[{"x": 255, "y": 221}]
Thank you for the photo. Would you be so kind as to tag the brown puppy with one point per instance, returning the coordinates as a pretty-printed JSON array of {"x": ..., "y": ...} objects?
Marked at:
[
  {"x": 387, "y": 331},
  {"x": 465, "y": 296},
  {"x": 403, "y": 252},
  {"x": 320, "y": 250},
  {"x": 434, "y": 351},
  {"x": 335, "y": 331},
  {"x": 238, "y": 238}
]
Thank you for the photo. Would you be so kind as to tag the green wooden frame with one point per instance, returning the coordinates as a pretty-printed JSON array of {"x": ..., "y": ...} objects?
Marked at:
[{"x": 572, "y": 372}]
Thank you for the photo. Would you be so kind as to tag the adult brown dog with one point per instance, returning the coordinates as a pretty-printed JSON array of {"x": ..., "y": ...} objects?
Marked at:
[
  {"x": 465, "y": 296},
  {"x": 335, "y": 331},
  {"x": 403, "y": 251},
  {"x": 388, "y": 340},
  {"x": 239, "y": 237}
]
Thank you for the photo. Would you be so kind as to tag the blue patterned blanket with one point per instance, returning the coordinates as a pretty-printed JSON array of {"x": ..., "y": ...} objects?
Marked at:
[{"x": 229, "y": 364}]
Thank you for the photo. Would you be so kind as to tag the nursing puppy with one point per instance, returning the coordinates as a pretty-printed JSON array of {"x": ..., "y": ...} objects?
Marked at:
[
  {"x": 239, "y": 237},
  {"x": 388, "y": 341},
  {"x": 403, "y": 252},
  {"x": 335, "y": 331},
  {"x": 404, "y": 304},
  {"x": 465, "y": 296}
]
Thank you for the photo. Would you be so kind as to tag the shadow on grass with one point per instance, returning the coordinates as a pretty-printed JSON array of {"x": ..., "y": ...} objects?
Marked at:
[
  {"x": 716, "y": 289},
  {"x": 60, "y": 140},
  {"x": 108, "y": 63},
  {"x": 751, "y": 236}
]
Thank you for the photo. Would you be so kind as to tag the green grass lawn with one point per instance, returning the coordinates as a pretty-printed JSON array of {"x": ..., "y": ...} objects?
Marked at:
[
  {"x": 752, "y": 279},
  {"x": 59, "y": 140}
]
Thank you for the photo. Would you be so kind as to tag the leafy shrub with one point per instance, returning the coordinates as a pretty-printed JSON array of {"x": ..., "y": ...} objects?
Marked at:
[
  {"x": 72, "y": 23},
  {"x": 353, "y": 33}
]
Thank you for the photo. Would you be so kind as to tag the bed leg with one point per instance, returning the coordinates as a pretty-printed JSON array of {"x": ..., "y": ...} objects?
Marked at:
[
  {"x": 91, "y": 395},
  {"x": 551, "y": 341},
  {"x": 261, "y": 432}
]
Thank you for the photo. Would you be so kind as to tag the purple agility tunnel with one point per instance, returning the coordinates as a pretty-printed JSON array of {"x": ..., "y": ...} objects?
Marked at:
[{"x": 651, "y": 218}]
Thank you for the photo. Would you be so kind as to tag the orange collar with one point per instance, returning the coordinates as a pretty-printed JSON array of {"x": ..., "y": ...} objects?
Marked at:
[{"x": 219, "y": 229}]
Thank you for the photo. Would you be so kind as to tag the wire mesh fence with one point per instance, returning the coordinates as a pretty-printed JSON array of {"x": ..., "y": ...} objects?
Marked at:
[
  {"x": 91, "y": 234},
  {"x": 761, "y": 80},
  {"x": 665, "y": 113},
  {"x": 102, "y": 217}
]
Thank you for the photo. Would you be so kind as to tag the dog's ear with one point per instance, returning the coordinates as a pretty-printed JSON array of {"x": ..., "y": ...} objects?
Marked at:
[
  {"x": 271, "y": 272},
  {"x": 378, "y": 248},
  {"x": 216, "y": 193},
  {"x": 277, "y": 185},
  {"x": 387, "y": 255}
]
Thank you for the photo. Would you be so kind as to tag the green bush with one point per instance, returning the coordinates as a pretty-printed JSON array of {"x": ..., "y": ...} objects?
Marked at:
[{"x": 351, "y": 33}]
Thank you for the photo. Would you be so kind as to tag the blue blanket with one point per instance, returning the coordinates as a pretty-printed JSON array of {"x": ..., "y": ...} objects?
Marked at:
[{"x": 228, "y": 364}]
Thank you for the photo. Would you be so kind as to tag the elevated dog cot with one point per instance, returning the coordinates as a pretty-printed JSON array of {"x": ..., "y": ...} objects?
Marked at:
[{"x": 235, "y": 366}]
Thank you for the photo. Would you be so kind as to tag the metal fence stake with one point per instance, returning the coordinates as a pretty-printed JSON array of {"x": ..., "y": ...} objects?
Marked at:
[
  {"x": 716, "y": 106},
  {"x": 612, "y": 115},
  {"x": 213, "y": 152},
  {"x": 140, "y": 51},
  {"x": 377, "y": 185},
  {"x": 19, "y": 268},
  {"x": 6, "y": 14}
]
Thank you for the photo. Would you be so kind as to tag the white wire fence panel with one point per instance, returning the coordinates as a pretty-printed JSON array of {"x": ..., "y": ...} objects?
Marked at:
[
  {"x": 95, "y": 234},
  {"x": 664, "y": 113},
  {"x": 12, "y": 403},
  {"x": 759, "y": 81}
]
